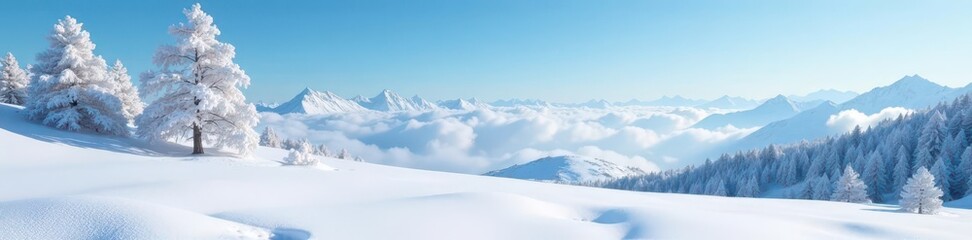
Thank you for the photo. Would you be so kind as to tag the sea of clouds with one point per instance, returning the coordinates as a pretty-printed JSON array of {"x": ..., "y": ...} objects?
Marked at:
[
  {"x": 482, "y": 140},
  {"x": 478, "y": 141}
]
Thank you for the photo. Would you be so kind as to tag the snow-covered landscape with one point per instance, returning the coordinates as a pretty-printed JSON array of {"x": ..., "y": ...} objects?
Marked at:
[{"x": 199, "y": 139}]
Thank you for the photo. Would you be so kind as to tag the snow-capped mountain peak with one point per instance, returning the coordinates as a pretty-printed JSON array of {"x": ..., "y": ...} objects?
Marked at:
[
  {"x": 313, "y": 102},
  {"x": 462, "y": 104},
  {"x": 390, "y": 101},
  {"x": 566, "y": 169}
]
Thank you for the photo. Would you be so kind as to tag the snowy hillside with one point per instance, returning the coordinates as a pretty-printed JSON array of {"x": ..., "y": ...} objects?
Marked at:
[
  {"x": 566, "y": 169},
  {"x": 93, "y": 187},
  {"x": 727, "y": 102},
  {"x": 774, "y": 109},
  {"x": 313, "y": 102},
  {"x": 389, "y": 101}
]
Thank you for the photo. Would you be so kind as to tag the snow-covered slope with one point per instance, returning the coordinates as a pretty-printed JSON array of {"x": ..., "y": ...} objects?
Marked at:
[
  {"x": 774, "y": 109},
  {"x": 388, "y": 101},
  {"x": 832, "y": 95},
  {"x": 566, "y": 169},
  {"x": 313, "y": 102},
  {"x": 63, "y": 185},
  {"x": 727, "y": 102}
]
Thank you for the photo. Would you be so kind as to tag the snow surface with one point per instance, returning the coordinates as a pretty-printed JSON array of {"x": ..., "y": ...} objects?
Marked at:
[
  {"x": 567, "y": 169},
  {"x": 66, "y": 185}
]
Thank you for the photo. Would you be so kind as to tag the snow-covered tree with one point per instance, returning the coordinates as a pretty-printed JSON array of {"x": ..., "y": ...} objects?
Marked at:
[
  {"x": 942, "y": 175},
  {"x": 197, "y": 90},
  {"x": 720, "y": 189},
  {"x": 269, "y": 138},
  {"x": 70, "y": 88},
  {"x": 902, "y": 168},
  {"x": 125, "y": 91},
  {"x": 920, "y": 195},
  {"x": 323, "y": 150},
  {"x": 821, "y": 188},
  {"x": 301, "y": 156},
  {"x": 358, "y": 159},
  {"x": 875, "y": 176},
  {"x": 964, "y": 170},
  {"x": 344, "y": 154},
  {"x": 13, "y": 81},
  {"x": 930, "y": 142},
  {"x": 749, "y": 188},
  {"x": 850, "y": 188}
]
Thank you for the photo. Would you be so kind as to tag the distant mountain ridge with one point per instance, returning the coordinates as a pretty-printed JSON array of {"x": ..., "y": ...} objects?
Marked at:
[
  {"x": 913, "y": 92},
  {"x": 777, "y": 108}
]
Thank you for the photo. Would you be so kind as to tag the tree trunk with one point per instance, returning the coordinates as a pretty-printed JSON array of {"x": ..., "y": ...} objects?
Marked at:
[{"x": 197, "y": 147}]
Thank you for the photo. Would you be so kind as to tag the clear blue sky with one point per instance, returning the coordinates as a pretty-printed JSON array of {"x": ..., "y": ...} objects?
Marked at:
[{"x": 559, "y": 50}]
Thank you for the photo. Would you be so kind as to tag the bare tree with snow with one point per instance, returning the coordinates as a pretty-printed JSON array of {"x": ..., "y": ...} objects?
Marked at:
[
  {"x": 13, "y": 81},
  {"x": 198, "y": 90},
  {"x": 850, "y": 188},
  {"x": 920, "y": 195},
  {"x": 70, "y": 88}
]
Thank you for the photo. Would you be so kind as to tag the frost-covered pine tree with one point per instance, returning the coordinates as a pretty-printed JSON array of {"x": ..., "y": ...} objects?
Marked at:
[
  {"x": 942, "y": 175},
  {"x": 875, "y": 176},
  {"x": 930, "y": 142},
  {"x": 69, "y": 87},
  {"x": 850, "y": 188},
  {"x": 13, "y": 81},
  {"x": 821, "y": 188},
  {"x": 749, "y": 188},
  {"x": 720, "y": 189},
  {"x": 902, "y": 169},
  {"x": 323, "y": 150},
  {"x": 301, "y": 156},
  {"x": 269, "y": 138},
  {"x": 125, "y": 91},
  {"x": 344, "y": 154},
  {"x": 964, "y": 170},
  {"x": 197, "y": 90},
  {"x": 920, "y": 195}
]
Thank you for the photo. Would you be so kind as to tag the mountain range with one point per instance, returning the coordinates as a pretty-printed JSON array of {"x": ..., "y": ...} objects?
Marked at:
[{"x": 912, "y": 92}]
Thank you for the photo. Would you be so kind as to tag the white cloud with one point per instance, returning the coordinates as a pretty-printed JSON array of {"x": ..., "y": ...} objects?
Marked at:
[
  {"x": 489, "y": 139},
  {"x": 846, "y": 120}
]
